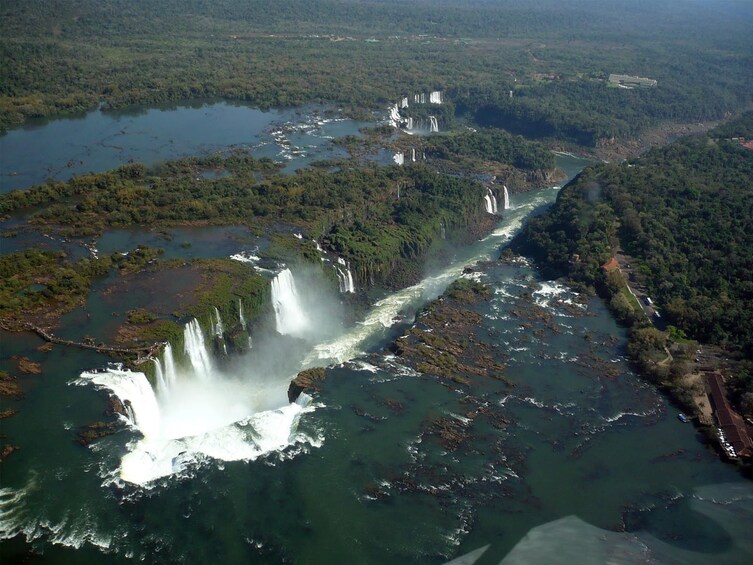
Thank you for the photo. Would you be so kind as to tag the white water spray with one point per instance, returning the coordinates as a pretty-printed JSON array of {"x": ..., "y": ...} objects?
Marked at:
[{"x": 289, "y": 314}]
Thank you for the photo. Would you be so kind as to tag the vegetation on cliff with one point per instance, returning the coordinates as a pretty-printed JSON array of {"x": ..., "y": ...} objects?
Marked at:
[{"x": 684, "y": 213}]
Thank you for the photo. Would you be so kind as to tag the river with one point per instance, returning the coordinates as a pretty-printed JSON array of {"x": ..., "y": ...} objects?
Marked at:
[{"x": 592, "y": 465}]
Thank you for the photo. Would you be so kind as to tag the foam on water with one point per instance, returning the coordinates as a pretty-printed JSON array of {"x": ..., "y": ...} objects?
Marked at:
[{"x": 225, "y": 420}]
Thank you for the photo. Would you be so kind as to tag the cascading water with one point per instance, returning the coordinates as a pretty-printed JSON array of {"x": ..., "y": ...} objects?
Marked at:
[
  {"x": 409, "y": 124},
  {"x": 395, "y": 117},
  {"x": 210, "y": 415},
  {"x": 435, "y": 97},
  {"x": 159, "y": 377},
  {"x": 434, "y": 126},
  {"x": 289, "y": 314},
  {"x": 507, "y": 199},
  {"x": 399, "y": 158},
  {"x": 217, "y": 327},
  {"x": 198, "y": 412},
  {"x": 413, "y": 154},
  {"x": 195, "y": 349},
  {"x": 404, "y": 103},
  {"x": 241, "y": 317},
  {"x": 344, "y": 277},
  {"x": 490, "y": 202},
  {"x": 169, "y": 366}
]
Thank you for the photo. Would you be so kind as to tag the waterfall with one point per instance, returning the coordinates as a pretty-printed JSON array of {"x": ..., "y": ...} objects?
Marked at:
[
  {"x": 413, "y": 154},
  {"x": 137, "y": 396},
  {"x": 423, "y": 98},
  {"x": 399, "y": 159},
  {"x": 159, "y": 377},
  {"x": 241, "y": 318},
  {"x": 169, "y": 366},
  {"x": 434, "y": 127},
  {"x": 435, "y": 97},
  {"x": 404, "y": 103},
  {"x": 490, "y": 202},
  {"x": 196, "y": 350},
  {"x": 409, "y": 125},
  {"x": 442, "y": 230},
  {"x": 351, "y": 284},
  {"x": 289, "y": 314},
  {"x": 507, "y": 199},
  {"x": 395, "y": 117},
  {"x": 416, "y": 98},
  {"x": 217, "y": 328},
  {"x": 344, "y": 277}
]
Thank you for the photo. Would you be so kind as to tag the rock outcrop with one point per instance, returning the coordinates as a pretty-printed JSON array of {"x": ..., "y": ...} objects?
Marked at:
[{"x": 306, "y": 381}]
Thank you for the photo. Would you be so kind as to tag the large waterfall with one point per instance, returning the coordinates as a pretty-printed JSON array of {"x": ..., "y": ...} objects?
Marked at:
[
  {"x": 490, "y": 202},
  {"x": 197, "y": 411},
  {"x": 289, "y": 314},
  {"x": 434, "y": 126},
  {"x": 507, "y": 199}
]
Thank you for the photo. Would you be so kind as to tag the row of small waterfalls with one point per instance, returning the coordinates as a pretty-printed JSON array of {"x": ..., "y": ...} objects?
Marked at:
[
  {"x": 408, "y": 123},
  {"x": 400, "y": 157},
  {"x": 204, "y": 403},
  {"x": 490, "y": 200}
]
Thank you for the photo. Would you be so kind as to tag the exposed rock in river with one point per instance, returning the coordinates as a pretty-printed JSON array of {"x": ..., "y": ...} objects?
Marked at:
[{"x": 308, "y": 381}]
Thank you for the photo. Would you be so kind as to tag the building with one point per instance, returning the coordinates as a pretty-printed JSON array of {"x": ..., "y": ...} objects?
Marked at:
[
  {"x": 611, "y": 265},
  {"x": 730, "y": 423},
  {"x": 631, "y": 82}
]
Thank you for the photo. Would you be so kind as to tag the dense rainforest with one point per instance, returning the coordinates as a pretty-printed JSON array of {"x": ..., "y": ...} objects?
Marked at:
[
  {"x": 684, "y": 213},
  {"x": 72, "y": 56}
]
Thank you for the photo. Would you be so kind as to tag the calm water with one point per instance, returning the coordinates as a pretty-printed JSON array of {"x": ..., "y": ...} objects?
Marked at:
[
  {"x": 99, "y": 141},
  {"x": 591, "y": 467}
]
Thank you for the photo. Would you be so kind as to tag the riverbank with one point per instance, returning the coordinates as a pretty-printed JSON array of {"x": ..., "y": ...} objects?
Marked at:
[{"x": 682, "y": 308}]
